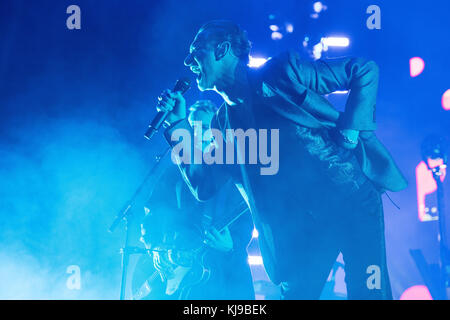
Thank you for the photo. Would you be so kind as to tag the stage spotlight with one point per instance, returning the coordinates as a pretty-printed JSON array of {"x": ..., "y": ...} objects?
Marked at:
[
  {"x": 318, "y": 6},
  {"x": 446, "y": 100},
  {"x": 336, "y": 41},
  {"x": 305, "y": 42},
  {"x": 416, "y": 66},
  {"x": 276, "y": 35},
  {"x": 255, "y": 260},
  {"x": 289, "y": 27},
  {"x": 255, "y": 62},
  {"x": 274, "y": 27},
  {"x": 340, "y": 92},
  {"x": 255, "y": 233}
]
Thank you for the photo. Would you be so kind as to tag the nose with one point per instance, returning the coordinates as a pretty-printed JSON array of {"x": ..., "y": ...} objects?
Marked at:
[{"x": 189, "y": 60}]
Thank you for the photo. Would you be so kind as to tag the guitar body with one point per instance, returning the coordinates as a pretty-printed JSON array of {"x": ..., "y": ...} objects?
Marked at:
[
  {"x": 148, "y": 285},
  {"x": 198, "y": 275},
  {"x": 152, "y": 287}
]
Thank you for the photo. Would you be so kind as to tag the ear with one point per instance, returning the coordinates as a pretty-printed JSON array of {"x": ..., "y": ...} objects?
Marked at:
[{"x": 222, "y": 49}]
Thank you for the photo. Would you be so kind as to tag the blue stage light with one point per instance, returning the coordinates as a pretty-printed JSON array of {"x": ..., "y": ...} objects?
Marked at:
[
  {"x": 289, "y": 27},
  {"x": 276, "y": 35},
  {"x": 255, "y": 62},
  {"x": 318, "y": 6},
  {"x": 274, "y": 27},
  {"x": 255, "y": 260},
  {"x": 336, "y": 42}
]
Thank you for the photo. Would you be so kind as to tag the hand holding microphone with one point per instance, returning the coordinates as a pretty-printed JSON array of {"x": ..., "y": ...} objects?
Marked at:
[
  {"x": 174, "y": 103},
  {"x": 171, "y": 107}
]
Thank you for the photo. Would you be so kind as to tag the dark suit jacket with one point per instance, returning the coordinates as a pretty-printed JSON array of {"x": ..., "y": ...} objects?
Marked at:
[{"x": 293, "y": 89}]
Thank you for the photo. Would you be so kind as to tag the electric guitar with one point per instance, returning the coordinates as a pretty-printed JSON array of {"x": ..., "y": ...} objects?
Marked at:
[{"x": 183, "y": 279}]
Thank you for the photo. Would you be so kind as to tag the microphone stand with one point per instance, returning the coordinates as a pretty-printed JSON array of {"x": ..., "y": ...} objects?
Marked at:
[
  {"x": 126, "y": 214},
  {"x": 443, "y": 249}
]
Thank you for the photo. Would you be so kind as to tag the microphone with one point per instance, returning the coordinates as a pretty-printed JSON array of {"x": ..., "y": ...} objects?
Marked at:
[{"x": 182, "y": 85}]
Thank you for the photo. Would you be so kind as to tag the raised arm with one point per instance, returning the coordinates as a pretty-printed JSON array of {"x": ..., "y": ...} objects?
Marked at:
[{"x": 357, "y": 75}]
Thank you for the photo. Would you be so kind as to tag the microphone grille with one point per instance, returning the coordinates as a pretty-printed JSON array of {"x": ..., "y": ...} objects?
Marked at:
[{"x": 182, "y": 85}]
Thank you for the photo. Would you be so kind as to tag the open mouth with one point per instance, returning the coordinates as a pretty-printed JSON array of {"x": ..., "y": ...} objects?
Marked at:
[{"x": 197, "y": 71}]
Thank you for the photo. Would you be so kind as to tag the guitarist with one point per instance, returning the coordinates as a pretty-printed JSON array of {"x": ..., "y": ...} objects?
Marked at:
[{"x": 176, "y": 224}]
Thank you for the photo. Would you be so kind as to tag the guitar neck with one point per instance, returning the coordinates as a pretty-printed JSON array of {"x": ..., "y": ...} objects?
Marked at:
[{"x": 240, "y": 211}]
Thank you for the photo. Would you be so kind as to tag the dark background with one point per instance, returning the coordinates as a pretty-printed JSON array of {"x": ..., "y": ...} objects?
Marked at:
[{"x": 75, "y": 104}]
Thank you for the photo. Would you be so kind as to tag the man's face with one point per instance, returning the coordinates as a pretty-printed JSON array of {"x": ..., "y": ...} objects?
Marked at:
[{"x": 201, "y": 59}]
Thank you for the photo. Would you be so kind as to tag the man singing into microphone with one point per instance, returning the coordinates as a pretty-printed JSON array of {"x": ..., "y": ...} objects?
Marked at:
[{"x": 326, "y": 196}]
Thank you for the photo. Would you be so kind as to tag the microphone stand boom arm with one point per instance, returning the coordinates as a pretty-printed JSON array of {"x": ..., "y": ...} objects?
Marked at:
[{"x": 126, "y": 214}]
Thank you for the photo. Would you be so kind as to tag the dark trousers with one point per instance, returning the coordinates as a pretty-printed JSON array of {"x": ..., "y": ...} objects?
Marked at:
[{"x": 355, "y": 227}]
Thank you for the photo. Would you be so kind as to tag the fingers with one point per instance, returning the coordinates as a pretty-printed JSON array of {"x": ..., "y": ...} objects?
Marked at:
[
  {"x": 209, "y": 236},
  {"x": 172, "y": 103},
  {"x": 210, "y": 239},
  {"x": 164, "y": 262},
  {"x": 167, "y": 95},
  {"x": 215, "y": 235},
  {"x": 215, "y": 232},
  {"x": 219, "y": 240},
  {"x": 166, "y": 101},
  {"x": 157, "y": 266},
  {"x": 156, "y": 262},
  {"x": 218, "y": 235},
  {"x": 226, "y": 232},
  {"x": 210, "y": 243},
  {"x": 176, "y": 95},
  {"x": 162, "y": 265}
]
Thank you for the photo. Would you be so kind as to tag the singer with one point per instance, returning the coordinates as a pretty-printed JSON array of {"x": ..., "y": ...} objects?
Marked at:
[{"x": 326, "y": 196}]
